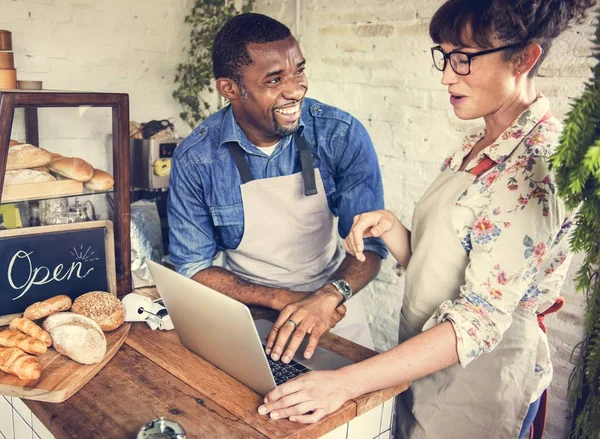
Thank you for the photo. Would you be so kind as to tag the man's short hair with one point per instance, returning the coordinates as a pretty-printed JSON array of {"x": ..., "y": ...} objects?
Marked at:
[{"x": 230, "y": 54}]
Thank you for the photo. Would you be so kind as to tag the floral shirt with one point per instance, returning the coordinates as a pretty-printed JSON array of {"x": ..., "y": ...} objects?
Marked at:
[{"x": 515, "y": 230}]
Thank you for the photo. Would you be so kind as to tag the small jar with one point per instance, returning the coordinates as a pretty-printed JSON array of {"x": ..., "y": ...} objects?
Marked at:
[{"x": 161, "y": 428}]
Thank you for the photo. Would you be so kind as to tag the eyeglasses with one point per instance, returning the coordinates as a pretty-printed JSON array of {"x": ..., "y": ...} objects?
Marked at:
[{"x": 460, "y": 61}]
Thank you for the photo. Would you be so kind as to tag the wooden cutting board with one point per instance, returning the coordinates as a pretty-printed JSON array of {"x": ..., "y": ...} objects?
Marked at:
[{"x": 61, "y": 377}]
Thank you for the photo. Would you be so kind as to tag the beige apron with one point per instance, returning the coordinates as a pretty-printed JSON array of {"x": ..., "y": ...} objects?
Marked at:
[
  {"x": 490, "y": 397},
  {"x": 290, "y": 238}
]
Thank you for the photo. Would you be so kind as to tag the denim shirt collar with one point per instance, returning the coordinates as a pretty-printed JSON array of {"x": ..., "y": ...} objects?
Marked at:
[{"x": 232, "y": 132}]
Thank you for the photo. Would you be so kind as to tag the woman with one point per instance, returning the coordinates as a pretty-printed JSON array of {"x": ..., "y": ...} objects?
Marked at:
[{"x": 488, "y": 249}]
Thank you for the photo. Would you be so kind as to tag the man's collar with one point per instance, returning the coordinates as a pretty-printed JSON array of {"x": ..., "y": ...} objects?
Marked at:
[
  {"x": 232, "y": 132},
  {"x": 504, "y": 145}
]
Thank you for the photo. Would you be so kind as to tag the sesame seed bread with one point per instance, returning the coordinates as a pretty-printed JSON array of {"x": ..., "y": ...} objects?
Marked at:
[{"x": 104, "y": 308}]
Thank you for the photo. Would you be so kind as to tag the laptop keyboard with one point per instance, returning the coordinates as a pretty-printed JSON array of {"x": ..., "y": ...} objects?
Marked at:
[{"x": 283, "y": 372}]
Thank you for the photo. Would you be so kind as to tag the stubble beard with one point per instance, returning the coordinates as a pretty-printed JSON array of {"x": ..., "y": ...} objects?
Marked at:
[{"x": 283, "y": 131}]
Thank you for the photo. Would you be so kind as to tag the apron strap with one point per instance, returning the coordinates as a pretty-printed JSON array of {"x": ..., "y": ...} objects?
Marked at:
[
  {"x": 306, "y": 161},
  {"x": 239, "y": 158},
  {"x": 308, "y": 166}
]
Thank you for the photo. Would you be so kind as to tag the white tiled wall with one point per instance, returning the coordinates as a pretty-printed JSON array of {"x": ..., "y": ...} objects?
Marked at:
[
  {"x": 374, "y": 424},
  {"x": 18, "y": 422}
]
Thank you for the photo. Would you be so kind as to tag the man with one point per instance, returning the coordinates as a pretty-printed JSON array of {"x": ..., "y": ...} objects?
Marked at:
[{"x": 263, "y": 180}]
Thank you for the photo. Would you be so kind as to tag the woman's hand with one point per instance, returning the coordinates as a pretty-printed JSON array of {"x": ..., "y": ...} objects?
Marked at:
[
  {"x": 367, "y": 225},
  {"x": 307, "y": 398}
]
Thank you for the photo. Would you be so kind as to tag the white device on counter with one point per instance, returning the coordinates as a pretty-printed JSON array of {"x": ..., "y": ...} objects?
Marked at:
[{"x": 139, "y": 308}]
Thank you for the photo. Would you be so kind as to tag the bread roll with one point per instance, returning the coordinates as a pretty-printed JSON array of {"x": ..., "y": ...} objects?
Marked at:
[
  {"x": 104, "y": 308},
  {"x": 15, "y": 339},
  {"x": 72, "y": 167},
  {"x": 39, "y": 310},
  {"x": 26, "y": 326},
  {"x": 76, "y": 337},
  {"x": 16, "y": 362},
  {"x": 23, "y": 176},
  {"x": 24, "y": 155},
  {"x": 100, "y": 181}
]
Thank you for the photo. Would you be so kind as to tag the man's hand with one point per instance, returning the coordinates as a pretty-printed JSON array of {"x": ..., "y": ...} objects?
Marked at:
[{"x": 314, "y": 315}]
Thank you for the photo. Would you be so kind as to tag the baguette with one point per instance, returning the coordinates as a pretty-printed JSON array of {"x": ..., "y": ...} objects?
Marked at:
[
  {"x": 16, "y": 362},
  {"x": 72, "y": 167},
  {"x": 15, "y": 339},
  {"x": 39, "y": 310},
  {"x": 100, "y": 181},
  {"x": 24, "y": 155},
  {"x": 26, "y": 326}
]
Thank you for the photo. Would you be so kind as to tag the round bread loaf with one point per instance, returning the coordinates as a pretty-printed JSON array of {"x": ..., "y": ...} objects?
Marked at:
[
  {"x": 103, "y": 308},
  {"x": 24, "y": 155},
  {"x": 72, "y": 167},
  {"x": 76, "y": 336},
  {"x": 100, "y": 181}
]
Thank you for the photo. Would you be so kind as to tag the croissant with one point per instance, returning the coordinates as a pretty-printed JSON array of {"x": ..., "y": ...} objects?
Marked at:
[
  {"x": 17, "y": 362},
  {"x": 16, "y": 339},
  {"x": 28, "y": 327}
]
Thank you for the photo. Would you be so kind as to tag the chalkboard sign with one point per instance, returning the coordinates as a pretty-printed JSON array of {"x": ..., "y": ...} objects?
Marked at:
[{"x": 42, "y": 262}]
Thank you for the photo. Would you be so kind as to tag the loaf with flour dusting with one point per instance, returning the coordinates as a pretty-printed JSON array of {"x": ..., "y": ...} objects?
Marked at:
[{"x": 77, "y": 337}]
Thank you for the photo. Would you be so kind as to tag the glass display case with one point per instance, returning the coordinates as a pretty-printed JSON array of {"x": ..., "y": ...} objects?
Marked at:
[{"x": 64, "y": 158}]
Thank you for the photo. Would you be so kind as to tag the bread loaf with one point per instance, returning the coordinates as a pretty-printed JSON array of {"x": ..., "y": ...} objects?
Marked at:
[
  {"x": 39, "y": 310},
  {"x": 23, "y": 176},
  {"x": 72, "y": 167},
  {"x": 24, "y": 155},
  {"x": 103, "y": 308},
  {"x": 16, "y": 362},
  {"x": 77, "y": 337},
  {"x": 100, "y": 181},
  {"x": 13, "y": 142},
  {"x": 15, "y": 339},
  {"x": 26, "y": 326}
]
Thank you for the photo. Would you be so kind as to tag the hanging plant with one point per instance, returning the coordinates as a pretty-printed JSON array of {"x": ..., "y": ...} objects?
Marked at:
[
  {"x": 577, "y": 166},
  {"x": 194, "y": 77}
]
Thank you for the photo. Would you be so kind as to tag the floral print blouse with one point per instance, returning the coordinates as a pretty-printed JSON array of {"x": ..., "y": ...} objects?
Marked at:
[{"x": 515, "y": 230}]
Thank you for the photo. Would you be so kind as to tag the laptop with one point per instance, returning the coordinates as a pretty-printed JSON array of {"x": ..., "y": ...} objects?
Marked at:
[{"x": 221, "y": 330}]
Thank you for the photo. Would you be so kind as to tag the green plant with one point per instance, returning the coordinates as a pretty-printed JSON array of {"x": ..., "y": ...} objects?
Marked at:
[
  {"x": 194, "y": 77},
  {"x": 577, "y": 166}
]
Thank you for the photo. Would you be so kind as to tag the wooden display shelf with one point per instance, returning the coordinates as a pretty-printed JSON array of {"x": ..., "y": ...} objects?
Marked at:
[
  {"x": 30, "y": 101},
  {"x": 32, "y": 191}
]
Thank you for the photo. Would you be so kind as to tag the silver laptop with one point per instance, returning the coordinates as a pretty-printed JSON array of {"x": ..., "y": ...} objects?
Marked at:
[{"x": 221, "y": 330}]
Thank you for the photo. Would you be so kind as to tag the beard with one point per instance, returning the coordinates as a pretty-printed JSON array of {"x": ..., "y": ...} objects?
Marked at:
[{"x": 285, "y": 131}]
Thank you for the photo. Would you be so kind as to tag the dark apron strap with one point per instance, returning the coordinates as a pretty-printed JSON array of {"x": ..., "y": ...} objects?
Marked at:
[
  {"x": 239, "y": 158},
  {"x": 308, "y": 166},
  {"x": 306, "y": 161}
]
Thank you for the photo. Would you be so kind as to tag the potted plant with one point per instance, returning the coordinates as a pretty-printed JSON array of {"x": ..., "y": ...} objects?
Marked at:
[
  {"x": 577, "y": 166},
  {"x": 194, "y": 77}
]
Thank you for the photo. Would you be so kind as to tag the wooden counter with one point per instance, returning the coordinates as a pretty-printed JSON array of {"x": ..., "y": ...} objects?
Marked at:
[{"x": 154, "y": 375}]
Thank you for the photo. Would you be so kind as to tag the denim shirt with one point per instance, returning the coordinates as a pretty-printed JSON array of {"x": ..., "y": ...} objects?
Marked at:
[{"x": 205, "y": 209}]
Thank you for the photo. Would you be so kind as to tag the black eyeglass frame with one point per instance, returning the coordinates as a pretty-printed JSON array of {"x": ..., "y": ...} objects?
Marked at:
[{"x": 469, "y": 56}]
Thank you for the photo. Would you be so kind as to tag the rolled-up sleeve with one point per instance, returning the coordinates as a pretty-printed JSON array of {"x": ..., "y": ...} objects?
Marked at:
[
  {"x": 191, "y": 237},
  {"x": 358, "y": 182},
  {"x": 510, "y": 239}
]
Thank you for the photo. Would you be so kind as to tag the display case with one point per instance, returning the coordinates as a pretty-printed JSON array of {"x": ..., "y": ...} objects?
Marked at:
[{"x": 79, "y": 130}]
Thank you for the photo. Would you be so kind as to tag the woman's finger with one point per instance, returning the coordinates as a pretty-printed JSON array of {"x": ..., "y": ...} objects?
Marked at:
[
  {"x": 296, "y": 410},
  {"x": 311, "y": 418}
]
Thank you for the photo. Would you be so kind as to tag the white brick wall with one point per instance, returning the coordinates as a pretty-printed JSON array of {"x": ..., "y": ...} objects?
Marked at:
[{"x": 369, "y": 57}]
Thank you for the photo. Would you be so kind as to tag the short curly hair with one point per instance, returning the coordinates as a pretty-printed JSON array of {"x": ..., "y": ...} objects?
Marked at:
[
  {"x": 230, "y": 54},
  {"x": 460, "y": 22}
]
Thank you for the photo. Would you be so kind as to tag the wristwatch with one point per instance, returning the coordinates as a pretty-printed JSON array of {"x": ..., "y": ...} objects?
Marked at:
[{"x": 343, "y": 288}]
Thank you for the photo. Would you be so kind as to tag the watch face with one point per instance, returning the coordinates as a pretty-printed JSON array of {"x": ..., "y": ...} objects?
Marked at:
[{"x": 344, "y": 288}]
